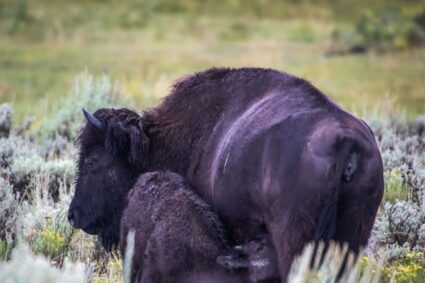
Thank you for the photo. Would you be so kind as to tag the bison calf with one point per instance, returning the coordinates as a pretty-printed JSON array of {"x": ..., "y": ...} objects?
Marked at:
[{"x": 177, "y": 236}]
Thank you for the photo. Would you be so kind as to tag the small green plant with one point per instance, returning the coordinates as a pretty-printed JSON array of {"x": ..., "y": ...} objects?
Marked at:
[
  {"x": 50, "y": 240},
  {"x": 5, "y": 250},
  {"x": 395, "y": 188},
  {"x": 408, "y": 269},
  {"x": 49, "y": 243}
]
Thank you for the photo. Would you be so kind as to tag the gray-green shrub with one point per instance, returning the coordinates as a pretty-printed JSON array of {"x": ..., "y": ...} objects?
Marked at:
[
  {"x": 400, "y": 226},
  {"x": 88, "y": 91},
  {"x": 25, "y": 267},
  {"x": 8, "y": 212}
]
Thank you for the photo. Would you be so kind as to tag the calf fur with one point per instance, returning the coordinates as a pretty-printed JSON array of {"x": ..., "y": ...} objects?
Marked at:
[{"x": 177, "y": 236}]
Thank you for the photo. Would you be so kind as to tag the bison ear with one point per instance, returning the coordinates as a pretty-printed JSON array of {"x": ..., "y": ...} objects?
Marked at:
[
  {"x": 138, "y": 147},
  {"x": 130, "y": 140}
]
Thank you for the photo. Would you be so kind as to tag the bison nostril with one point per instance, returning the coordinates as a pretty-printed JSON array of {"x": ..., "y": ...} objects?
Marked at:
[{"x": 72, "y": 217}]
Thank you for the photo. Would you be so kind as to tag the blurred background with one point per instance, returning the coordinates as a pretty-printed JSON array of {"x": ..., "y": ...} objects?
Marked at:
[{"x": 367, "y": 55}]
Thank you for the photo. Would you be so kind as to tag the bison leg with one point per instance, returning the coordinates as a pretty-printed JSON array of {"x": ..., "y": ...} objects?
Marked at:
[
  {"x": 152, "y": 258},
  {"x": 148, "y": 277},
  {"x": 290, "y": 232}
]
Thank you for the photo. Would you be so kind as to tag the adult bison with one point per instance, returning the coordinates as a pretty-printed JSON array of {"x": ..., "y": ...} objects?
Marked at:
[{"x": 267, "y": 150}]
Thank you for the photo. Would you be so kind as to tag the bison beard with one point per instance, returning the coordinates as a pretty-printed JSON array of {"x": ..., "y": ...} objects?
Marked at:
[{"x": 269, "y": 152}]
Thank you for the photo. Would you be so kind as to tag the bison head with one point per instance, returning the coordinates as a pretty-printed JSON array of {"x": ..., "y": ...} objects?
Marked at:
[{"x": 113, "y": 150}]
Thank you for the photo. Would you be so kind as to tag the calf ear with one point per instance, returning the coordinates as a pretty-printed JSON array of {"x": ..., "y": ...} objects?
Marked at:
[{"x": 129, "y": 139}]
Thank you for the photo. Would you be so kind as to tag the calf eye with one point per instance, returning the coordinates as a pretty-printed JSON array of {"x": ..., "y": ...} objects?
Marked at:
[{"x": 260, "y": 247}]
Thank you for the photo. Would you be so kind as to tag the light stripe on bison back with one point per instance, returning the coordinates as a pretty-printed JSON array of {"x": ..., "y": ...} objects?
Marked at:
[{"x": 268, "y": 111}]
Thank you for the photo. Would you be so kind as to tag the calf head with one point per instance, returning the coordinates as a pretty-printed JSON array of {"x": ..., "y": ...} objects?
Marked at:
[
  {"x": 257, "y": 256},
  {"x": 113, "y": 150}
]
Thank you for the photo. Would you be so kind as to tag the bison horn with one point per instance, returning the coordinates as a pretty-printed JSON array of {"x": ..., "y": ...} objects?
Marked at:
[{"x": 92, "y": 120}]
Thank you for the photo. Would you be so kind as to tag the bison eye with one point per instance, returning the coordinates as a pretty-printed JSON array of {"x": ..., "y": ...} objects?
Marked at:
[{"x": 90, "y": 162}]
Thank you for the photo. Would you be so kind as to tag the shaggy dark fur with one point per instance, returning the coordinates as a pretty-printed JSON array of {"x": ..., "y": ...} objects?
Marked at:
[
  {"x": 177, "y": 236},
  {"x": 269, "y": 152}
]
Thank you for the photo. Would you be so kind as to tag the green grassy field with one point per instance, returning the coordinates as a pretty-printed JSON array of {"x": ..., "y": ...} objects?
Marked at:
[{"x": 44, "y": 45}]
